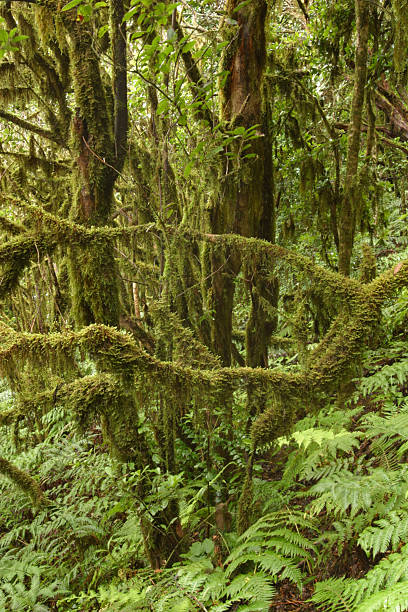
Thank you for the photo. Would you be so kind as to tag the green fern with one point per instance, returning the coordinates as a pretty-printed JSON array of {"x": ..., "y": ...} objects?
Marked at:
[
  {"x": 346, "y": 491},
  {"x": 327, "y": 439},
  {"x": 270, "y": 550},
  {"x": 250, "y": 587},
  {"x": 319, "y": 450},
  {"x": 386, "y": 380},
  {"x": 394, "y": 599},
  {"x": 389, "y": 431},
  {"x": 385, "y": 532},
  {"x": 338, "y": 594}
]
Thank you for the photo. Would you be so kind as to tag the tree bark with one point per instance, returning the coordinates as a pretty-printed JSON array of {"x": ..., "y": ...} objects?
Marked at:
[
  {"x": 240, "y": 205},
  {"x": 349, "y": 204}
]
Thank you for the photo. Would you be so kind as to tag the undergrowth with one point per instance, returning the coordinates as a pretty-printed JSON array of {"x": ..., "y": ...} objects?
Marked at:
[{"x": 330, "y": 507}]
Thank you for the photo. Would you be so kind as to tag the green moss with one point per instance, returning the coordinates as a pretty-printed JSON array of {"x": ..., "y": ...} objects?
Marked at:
[
  {"x": 400, "y": 9},
  {"x": 8, "y": 417},
  {"x": 17, "y": 254},
  {"x": 24, "y": 481},
  {"x": 368, "y": 268},
  {"x": 245, "y": 506}
]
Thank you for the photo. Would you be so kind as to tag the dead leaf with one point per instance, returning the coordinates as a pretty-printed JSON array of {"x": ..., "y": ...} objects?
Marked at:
[{"x": 397, "y": 268}]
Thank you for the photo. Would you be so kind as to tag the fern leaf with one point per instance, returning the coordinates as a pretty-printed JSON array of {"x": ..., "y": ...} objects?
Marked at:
[
  {"x": 329, "y": 595},
  {"x": 251, "y": 587},
  {"x": 394, "y": 599}
]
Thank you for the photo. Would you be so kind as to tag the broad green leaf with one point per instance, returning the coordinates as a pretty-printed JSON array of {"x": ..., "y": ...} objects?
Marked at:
[
  {"x": 188, "y": 169},
  {"x": 102, "y": 30},
  {"x": 188, "y": 46},
  {"x": 71, "y": 5},
  {"x": 163, "y": 106}
]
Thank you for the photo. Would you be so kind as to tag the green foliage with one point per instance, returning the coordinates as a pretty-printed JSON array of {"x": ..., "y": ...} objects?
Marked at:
[
  {"x": 199, "y": 411},
  {"x": 47, "y": 555},
  {"x": 9, "y": 39},
  {"x": 384, "y": 533},
  {"x": 272, "y": 549},
  {"x": 387, "y": 579}
]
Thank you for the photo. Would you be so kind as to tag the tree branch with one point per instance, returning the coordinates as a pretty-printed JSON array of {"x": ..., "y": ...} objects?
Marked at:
[
  {"x": 31, "y": 127},
  {"x": 24, "y": 481},
  {"x": 193, "y": 75}
]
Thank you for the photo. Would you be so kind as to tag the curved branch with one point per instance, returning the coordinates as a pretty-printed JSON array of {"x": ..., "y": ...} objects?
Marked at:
[
  {"x": 16, "y": 255},
  {"x": 31, "y": 127},
  {"x": 24, "y": 481},
  {"x": 326, "y": 280}
]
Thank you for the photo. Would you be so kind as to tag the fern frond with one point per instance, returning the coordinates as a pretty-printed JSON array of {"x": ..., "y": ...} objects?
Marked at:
[
  {"x": 251, "y": 587},
  {"x": 338, "y": 594},
  {"x": 269, "y": 561},
  {"x": 351, "y": 492},
  {"x": 330, "y": 595},
  {"x": 385, "y": 380},
  {"x": 394, "y": 599},
  {"x": 385, "y": 532}
]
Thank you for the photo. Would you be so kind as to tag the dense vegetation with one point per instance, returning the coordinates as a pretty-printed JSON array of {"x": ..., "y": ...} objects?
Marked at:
[{"x": 204, "y": 305}]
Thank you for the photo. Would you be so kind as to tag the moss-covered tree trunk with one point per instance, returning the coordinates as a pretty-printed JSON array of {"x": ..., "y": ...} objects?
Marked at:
[
  {"x": 92, "y": 270},
  {"x": 263, "y": 289},
  {"x": 350, "y": 200},
  {"x": 98, "y": 120},
  {"x": 99, "y": 133},
  {"x": 240, "y": 205}
]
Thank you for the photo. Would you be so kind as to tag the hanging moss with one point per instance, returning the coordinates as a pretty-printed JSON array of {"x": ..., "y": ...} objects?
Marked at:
[
  {"x": 307, "y": 175},
  {"x": 17, "y": 254},
  {"x": 14, "y": 95},
  {"x": 8, "y": 71},
  {"x": 328, "y": 283},
  {"x": 347, "y": 289},
  {"x": 8, "y": 417},
  {"x": 186, "y": 349},
  {"x": 45, "y": 24}
]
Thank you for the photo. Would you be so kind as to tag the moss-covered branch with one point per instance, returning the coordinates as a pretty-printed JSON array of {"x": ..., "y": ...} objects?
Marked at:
[
  {"x": 327, "y": 362},
  {"x": 24, "y": 481},
  {"x": 124, "y": 356},
  {"x": 11, "y": 227},
  {"x": 330, "y": 283},
  {"x": 17, "y": 254},
  {"x": 10, "y": 416},
  {"x": 31, "y": 127}
]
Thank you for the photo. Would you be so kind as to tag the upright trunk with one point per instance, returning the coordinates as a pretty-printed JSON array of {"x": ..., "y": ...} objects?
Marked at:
[
  {"x": 93, "y": 273},
  {"x": 349, "y": 205},
  {"x": 263, "y": 291},
  {"x": 240, "y": 205},
  {"x": 100, "y": 138}
]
